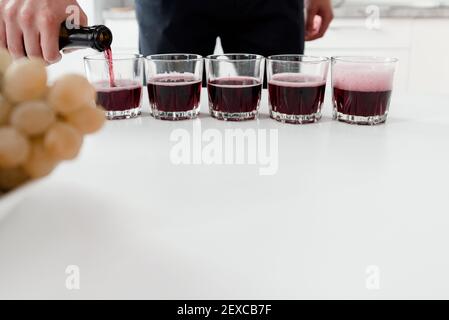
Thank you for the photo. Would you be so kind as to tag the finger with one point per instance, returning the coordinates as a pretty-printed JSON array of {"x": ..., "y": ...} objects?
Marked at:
[
  {"x": 3, "y": 43},
  {"x": 326, "y": 21},
  {"x": 14, "y": 36},
  {"x": 14, "y": 39},
  {"x": 310, "y": 22},
  {"x": 49, "y": 37},
  {"x": 30, "y": 34},
  {"x": 83, "y": 19},
  {"x": 32, "y": 43}
]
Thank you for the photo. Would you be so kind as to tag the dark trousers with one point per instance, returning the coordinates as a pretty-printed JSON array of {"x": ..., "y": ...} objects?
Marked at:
[{"x": 265, "y": 27}]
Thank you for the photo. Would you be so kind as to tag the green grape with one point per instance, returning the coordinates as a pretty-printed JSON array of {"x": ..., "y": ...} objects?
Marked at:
[
  {"x": 25, "y": 80},
  {"x": 87, "y": 119},
  {"x": 5, "y": 111},
  {"x": 63, "y": 141},
  {"x": 14, "y": 148},
  {"x": 70, "y": 93},
  {"x": 12, "y": 178},
  {"x": 40, "y": 163},
  {"x": 5, "y": 60},
  {"x": 32, "y": 118}
]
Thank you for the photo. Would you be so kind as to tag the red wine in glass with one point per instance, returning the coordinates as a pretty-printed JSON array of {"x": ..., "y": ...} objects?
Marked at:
[
  {"x": 296, "y": 94},
  {"x": 362, "y": 103},
  {"x": 234, "y": 95},
  {"x": 175, "y": 93},
  {"x": 125, "y": 95},
  {"x": 362, "y": 95}
]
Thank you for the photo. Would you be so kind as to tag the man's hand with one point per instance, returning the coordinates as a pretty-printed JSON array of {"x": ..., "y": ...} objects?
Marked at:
[
  {"x": 31, "y": 27},
  {"x": 319, "y": 17}
]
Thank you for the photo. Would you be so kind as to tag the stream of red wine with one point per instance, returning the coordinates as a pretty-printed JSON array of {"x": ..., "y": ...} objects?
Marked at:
[{"x": 108, "y": 56}]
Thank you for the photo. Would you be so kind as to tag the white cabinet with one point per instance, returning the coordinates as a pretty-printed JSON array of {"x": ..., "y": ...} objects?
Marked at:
[
  {"x": 126, "y": 34},
  {"x": 352, "y": 37},
  {"x": 421, "y": 45},
  {"x": 429, "y": 67}
]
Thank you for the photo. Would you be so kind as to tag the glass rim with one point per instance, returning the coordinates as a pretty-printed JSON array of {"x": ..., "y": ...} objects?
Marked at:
[
  {"x": 313, "y": 59},
  {"x": 158, "y": 57},
  {"x": 119, "y": 56},
  {"x": 365, "y": 59},
  {"x": 215, "y": 57}
]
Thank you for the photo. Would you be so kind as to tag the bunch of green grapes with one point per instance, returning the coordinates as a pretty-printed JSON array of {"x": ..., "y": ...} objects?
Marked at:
[{"x": 41, "y": 125}]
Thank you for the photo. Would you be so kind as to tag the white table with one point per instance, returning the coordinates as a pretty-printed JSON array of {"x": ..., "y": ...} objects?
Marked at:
[{"x": 352, "y": 212}]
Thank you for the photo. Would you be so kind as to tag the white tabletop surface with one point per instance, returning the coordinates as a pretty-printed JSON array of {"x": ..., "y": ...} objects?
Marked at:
[{"x": 351, "y": 212}]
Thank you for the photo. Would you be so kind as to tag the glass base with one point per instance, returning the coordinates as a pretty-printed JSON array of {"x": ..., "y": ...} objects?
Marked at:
[
  {"x": 368, "y": 121},
  {"x": 126, "y": 114},
  {"x": 175, "y": 116},
  {"x": 239, "y": 116},
  {"x": 295, "y": 119}
]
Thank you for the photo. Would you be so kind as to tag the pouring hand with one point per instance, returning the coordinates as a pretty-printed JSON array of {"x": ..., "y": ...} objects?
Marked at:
[
  {"x": 319, "y": 16},
  {"x": 31, "y": 27}
]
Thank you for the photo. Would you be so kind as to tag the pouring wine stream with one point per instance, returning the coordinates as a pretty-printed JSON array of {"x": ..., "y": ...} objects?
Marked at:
[{"x": 109, "y": 59}]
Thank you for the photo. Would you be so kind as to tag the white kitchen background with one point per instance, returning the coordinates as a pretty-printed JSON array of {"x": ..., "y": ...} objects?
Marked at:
[{"x": 415, "y": 31}]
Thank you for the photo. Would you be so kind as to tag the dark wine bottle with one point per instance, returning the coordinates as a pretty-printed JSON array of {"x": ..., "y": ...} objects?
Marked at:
[{"x": 95, "y": 37}]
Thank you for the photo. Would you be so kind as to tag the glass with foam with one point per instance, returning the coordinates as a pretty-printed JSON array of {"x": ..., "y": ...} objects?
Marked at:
[
  {"x": 362, "y": 88},
  {"x": 296, "y": 87}
]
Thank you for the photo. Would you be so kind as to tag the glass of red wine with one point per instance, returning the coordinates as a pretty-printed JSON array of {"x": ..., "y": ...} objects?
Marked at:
[
  {"x": 296, "y": 87},
  {"x": 235, "y": 85},
  {"x": 362, "y": 89},
  {"x": 174, "y": 83},
  {"x": 118, "y": 80}
]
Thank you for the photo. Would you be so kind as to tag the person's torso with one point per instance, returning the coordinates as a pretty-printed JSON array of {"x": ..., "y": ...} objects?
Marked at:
[{"x": 216, "y": 9}]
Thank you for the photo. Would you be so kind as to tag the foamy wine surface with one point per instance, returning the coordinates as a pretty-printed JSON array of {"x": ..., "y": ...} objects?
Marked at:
[
  {"x": 173, "y": 79},
  {"x": 119, "y": 85},
  {"x": 296, "y": 80},
  {"x": 363, "y": 78},
  {"x": 235, "y": 82}
]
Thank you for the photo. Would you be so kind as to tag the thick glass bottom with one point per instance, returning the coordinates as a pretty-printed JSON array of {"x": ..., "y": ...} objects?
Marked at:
[
  {"x": 295, "y": 119},
  {"x": 175, "y": 116},
  {"x": 360, "y": 120},
  {"x": 239, "y": 116},
  {"x": 126, "y": 114}
]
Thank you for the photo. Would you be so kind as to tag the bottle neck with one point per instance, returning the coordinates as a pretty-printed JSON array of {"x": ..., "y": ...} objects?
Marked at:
[{"x": 96, "y": 37}]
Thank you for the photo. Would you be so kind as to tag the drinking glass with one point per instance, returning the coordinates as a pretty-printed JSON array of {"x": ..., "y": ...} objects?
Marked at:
[
  {"x": 296, "y": 87},
  {"x": 362, "y": 88},
  {"x": 174, "y": 84},
  {"x": 235, "y": 85},
  {"x": 118, "y": 81}
]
